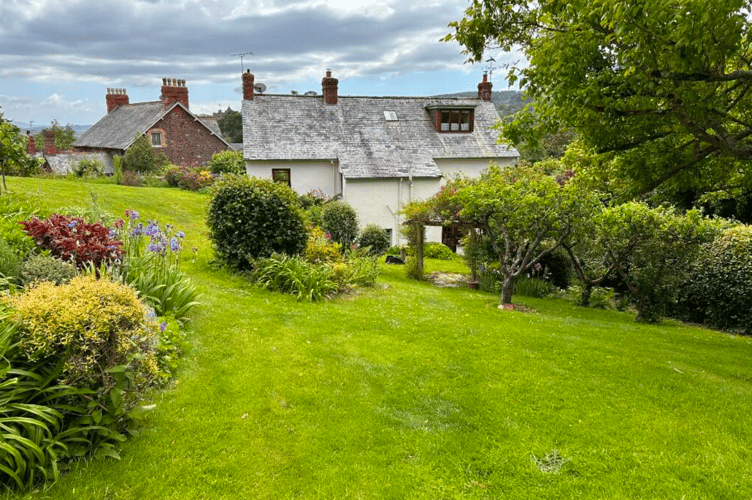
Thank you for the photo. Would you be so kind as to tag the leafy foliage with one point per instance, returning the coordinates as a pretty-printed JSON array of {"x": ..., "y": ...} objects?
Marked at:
[
  {"x": 151, "y": 265},
  {"x": 340, "y": 220},
  {"x": 438, "y": 251},
  {"x": 141, "y": 157},
  {"x": 65, "y": 136},
  {"x": 252, "y": 218},
  {"x": 88, "y": 168},
  {"x": 719, "y": 291},
  {"x": 313, "y": 282},
  {"x": 653, "y": 249},
  {"x": 375, "y": 238},
  {"x": 231, "y": 125},
  {"x": 227, "y": 162},
  {"x": 75, "y": 240},
  {"x": 191, "y": 179},
  {"x": 39, "y": 268},
  {"x": 661, "y": 86},
  {"x": 13, "y": 157},
  {"x": 90, "y": 325},
  {"x": 321, "y": 249}
]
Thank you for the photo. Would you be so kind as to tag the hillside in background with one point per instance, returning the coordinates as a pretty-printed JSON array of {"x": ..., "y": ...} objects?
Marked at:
[{"x": 507, "y": 102}]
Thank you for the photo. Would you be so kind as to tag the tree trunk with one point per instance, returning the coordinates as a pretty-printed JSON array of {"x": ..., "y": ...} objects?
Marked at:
[
  {"x": 4, "y": 185},
  {"x": 587, "y": 291},
  {"x": 506, "y": 290}
]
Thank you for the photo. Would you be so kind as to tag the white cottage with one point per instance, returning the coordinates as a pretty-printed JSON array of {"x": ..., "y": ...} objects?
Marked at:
[{"x": 376, "y": 153}]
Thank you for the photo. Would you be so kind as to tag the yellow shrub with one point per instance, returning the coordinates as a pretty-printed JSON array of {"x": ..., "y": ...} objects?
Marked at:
[
  {"x": 320, "y": 248},
  {"x": 93, "y": 325}
]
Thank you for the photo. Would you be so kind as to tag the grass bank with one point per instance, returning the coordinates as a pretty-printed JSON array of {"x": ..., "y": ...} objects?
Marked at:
[{"x": 409, "y": 391}]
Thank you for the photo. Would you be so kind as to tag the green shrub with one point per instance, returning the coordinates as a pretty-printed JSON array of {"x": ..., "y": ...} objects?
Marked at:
[
  {"x": 10, "y": 262},
  {"x": 227, "y": 162},
  {"x": 77, "y": 358},
  {"x": 439, "y": 251},
  {"x": 533, "y": 287},
  {"x": 314, "y": 282},
  {"x": 40, "y": 268},
  {"x": 314, "y": 198},
  {"x": 87, "y": 167},
  {"x": 295, "y": 275},
  {"x": 117, "y": 165},
  {"x": 253, "y": 218},
  {"x": 719, "y": 290},
  {"x": 141, "y": 157},
  {"x": 90, "y": 326},
  {"x": 376, "y": 238},
  {"x": 340, "y": 220},
  {"x": 321, "y": 249}
]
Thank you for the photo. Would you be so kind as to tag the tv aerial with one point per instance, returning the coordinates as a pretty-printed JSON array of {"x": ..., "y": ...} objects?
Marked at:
[
  {"x": 259, "y": 87},
  {"x": 490, "y": 66},
  {"x": 241, "y": 59}
]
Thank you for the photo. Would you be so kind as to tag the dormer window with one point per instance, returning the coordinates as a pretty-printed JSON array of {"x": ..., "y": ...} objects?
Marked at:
[{"x": 453, "y": 119}]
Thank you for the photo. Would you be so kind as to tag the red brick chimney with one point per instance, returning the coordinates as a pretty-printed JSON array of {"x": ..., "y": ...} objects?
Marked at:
[
  {"x": 49, "y": 143},
  {"x": 174, "y": 90},
  {"x": 31, "y": 147},
  {"x": 484, "y": 89},
  {"x": 248, "y": 85},
  {"x": 329, "y": 88},
  {"x": 115, "y": 98}
]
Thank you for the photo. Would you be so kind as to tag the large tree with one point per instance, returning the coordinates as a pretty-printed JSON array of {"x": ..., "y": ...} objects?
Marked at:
[
  {"x": 231, "y": 125},
  {"x": 660, "y": 87}
]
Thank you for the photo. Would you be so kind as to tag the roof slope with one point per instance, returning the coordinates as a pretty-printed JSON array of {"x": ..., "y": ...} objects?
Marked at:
[
  {"x": 356, "y": 133},
  {"x": 118, "y": 129}
]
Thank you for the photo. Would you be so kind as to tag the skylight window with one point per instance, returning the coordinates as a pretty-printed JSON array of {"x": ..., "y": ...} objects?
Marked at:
[{"x": 390, "y": 116}]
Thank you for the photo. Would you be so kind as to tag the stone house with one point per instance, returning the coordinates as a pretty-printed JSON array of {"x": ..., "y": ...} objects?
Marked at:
[{"x": 182, "y": 137}]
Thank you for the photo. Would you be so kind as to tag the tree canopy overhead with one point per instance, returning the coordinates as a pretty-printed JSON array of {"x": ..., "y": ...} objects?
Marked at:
[{"x": 662, "y": 86}]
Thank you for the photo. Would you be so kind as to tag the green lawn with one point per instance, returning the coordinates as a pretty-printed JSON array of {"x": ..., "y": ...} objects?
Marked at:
[{"x": 409, "y": 391}]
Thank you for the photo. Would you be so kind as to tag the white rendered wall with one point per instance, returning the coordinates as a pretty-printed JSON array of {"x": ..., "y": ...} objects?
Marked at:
[
  {"x": 470, "y": 167},
  {"x": 305, "y": 175},
  {"x": 377, "y": 201}
]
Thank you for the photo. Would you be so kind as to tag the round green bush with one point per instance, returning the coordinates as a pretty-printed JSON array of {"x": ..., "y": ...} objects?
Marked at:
[
  {"x": 439, "y": 251},
  {"x": 341, "y": 222},
  {"x": 719, "y": 291},
  {"x": 252, "y": 218},
  {"x": 227, "y": 162},
  {"x": 376, "y": 238},
  {"x": 40, "y": 268}
]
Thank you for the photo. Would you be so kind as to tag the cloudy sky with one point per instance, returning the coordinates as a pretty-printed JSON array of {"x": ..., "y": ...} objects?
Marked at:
[{"x": 57, "y": 57}]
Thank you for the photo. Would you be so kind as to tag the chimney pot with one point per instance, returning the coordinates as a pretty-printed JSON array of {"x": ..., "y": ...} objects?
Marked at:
[
  {"x": 329, "y": 88},
  {"x": 484, "y": 89},
  {"x": 248, "y": 85},
  {"x": 49, "y": 143},
  {"x": 31, "y": 147},
  {"x": 116, "y": 97}
]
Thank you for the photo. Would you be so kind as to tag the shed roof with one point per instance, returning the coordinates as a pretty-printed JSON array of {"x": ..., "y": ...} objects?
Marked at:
[{"x": 366, "y": 141}]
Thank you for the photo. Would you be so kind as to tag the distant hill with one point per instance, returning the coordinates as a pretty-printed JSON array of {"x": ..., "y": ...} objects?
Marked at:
[
  {"x": 24, "y": 126},
  {"x": 507, "y": 102}
]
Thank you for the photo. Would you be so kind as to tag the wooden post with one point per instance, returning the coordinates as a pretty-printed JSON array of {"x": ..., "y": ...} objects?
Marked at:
[{"x": 419, "y": 248}]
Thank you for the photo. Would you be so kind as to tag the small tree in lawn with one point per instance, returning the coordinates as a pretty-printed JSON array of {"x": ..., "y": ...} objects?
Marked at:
[{"x": 523, "y": 214}]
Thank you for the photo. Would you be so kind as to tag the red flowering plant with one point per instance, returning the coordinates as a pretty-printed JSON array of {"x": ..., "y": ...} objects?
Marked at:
[{"x": 74, "y": 240}]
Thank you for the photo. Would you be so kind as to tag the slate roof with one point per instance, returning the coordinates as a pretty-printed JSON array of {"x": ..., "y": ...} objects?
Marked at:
[
  {"x": 118, "y": 129},
  {"x": 356, "y": 133}
]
